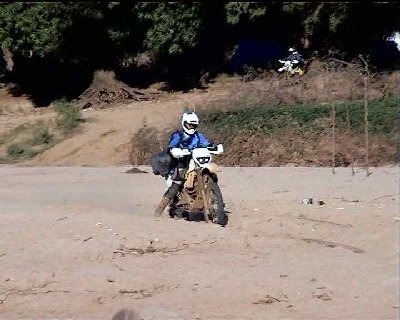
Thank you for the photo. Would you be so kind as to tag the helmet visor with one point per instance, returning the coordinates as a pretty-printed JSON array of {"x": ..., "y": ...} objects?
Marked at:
[{"x": 190, "y": 125}]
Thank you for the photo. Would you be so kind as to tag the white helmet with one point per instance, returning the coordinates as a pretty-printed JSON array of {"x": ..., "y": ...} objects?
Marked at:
[
  {"x": 292, "y": 49},
  {"x": 190, "y": 121}
]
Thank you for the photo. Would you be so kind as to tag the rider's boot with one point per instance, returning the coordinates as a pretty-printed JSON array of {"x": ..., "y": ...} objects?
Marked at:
[
  {"x": 168, "y": 196},
  {"x": 161, "y": 206}
]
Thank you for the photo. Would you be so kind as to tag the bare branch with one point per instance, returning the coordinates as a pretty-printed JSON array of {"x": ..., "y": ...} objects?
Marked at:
[
  {"x": 158, "y": 137},
  {"x": 366, "y": 80},
  {"x": 8, "y": 58},
  {"x": 333, "y": 138},
  {"x": 344, "y": 62}
]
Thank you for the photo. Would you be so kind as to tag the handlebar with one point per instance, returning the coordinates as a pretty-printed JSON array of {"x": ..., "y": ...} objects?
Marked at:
[{"x": 214, "y": 149}]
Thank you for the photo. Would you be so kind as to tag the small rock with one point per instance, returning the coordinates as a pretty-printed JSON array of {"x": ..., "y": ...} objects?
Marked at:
[
  {"x": 154, "y": 240},
  {"x": 125, "y": 314},
  {"x": 324, "y": 297},
  {"x": 323, "y": 294},
  {"x": 307, "y": 201},
  {"x": 135, "y": 170}
]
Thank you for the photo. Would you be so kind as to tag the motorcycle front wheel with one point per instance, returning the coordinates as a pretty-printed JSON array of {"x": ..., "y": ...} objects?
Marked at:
[{"x": 216, "y": 203}]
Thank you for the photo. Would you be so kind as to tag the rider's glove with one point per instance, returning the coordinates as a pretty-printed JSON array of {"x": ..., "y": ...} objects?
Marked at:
[{"x": 178, "y": 152}]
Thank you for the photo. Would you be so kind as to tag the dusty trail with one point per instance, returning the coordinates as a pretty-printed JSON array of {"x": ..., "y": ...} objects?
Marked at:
[{"x": 80, "y": 243}]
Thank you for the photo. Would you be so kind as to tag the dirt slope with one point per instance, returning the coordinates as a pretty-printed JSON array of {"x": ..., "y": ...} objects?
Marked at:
[{"x": 106, "y": 134}]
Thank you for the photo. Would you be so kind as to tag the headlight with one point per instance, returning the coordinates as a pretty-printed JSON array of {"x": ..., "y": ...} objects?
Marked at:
[{"x": 203, "y": 160}]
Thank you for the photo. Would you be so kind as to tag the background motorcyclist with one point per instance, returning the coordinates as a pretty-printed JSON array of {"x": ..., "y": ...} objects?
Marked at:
[
  {"x": 187, "y": 138},
  {"x": 295, "y": 55}
]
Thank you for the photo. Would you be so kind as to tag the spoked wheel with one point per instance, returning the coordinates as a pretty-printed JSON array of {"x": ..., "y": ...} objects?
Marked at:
[{"x": 216, "y": 203}]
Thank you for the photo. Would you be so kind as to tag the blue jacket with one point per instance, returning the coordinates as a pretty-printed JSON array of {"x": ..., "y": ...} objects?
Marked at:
[
  {"x": 296, "y": 56},
  {"x": 182, "y": 140}
]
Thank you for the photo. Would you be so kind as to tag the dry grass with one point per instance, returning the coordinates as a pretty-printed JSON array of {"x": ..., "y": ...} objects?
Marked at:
[
  {"x": 318, "y": 85},
  {"x": 288, "y": 148},
  {"x": 144, "y": 144},
  {"x": 247, "y": 149}
]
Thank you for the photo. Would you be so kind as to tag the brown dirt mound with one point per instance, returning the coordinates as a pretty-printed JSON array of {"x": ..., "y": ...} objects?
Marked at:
[{"x": 106, "y": 89}]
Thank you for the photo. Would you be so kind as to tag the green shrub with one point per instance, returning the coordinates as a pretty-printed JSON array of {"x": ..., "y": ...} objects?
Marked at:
[
  {"x": 18, "y": 151},
  {"x": 41, "y": 135},
  {"x": 68, "y": 116},
  {"x": 28, "y": 140},
  {"x": 382, "y": 118}
]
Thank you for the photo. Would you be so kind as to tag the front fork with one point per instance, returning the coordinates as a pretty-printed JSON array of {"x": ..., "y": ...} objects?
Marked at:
[{"x": 201, "y": 185}]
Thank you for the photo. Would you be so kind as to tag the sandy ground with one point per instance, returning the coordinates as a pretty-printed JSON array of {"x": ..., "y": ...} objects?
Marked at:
[{"x": 81, "y": 243}]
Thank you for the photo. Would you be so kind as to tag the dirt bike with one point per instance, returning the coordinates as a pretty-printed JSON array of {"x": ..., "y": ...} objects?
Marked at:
[
  {"x": 292, "y": 67},
  {"x": 200, "y": 195}
]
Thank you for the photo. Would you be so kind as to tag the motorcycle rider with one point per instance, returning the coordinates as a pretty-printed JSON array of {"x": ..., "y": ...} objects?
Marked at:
[
  {"x": 295, "y": 55},
  {"x": 187, "y": 138}
]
